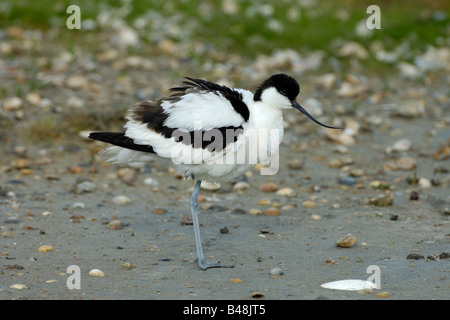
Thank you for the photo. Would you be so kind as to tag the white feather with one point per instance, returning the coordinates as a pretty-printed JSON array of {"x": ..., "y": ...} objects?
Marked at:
[{"x": 210, "y": 109}]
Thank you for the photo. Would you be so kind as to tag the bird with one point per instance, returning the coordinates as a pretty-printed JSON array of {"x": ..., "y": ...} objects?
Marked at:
[{"x": 209, "y": 132}]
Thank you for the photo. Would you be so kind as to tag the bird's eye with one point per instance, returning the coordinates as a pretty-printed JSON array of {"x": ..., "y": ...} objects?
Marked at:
[{"x": 283, "y": 91}]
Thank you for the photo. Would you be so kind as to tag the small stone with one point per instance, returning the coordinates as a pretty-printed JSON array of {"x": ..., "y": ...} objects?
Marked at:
[
  {"x": 263, "y": 202},
  {"x": 20, "y": 150},
  {"x": 85, "y": 187},
  {"x": 382, "y": 201},
  {"x": 159, "y": 211},
  {"x": 254, "y": 211},
  {"x": 224, "y": 230},
  {"x": 383, "y": 295},
  {"x": 12, "y": 220},
  {"x": 12, "y": 104},
  {"x": 257, "y": 295},
  {"x": 115, "y": 225},
  {"x": 271, "y": 212},
  {"x": 276, "y": 272},
  {"x": 128, "y": 266},
  {"x": 399, "y": 146},
  {"x": 47, "y": 213},
  {"x": 287, "y": 192},
  {"x": 235, "y": 280},
  {"x": 75, "y": 169},
  {"x": 78, "y": 205},
  {"x": 295, "y": 164},
  {"x": 268, "y": 187},
  {"x": 411, "y": 108},
  {"x": 316, "y": 217},
  {"x": 77, "y": 82},
  {"x": 45, "y": 248},
  {"x": 121, "y": 200},
  {"x": 33, "y": 98},
  {"x": 414, "y": 256},
  {"x": 309, "y": 204},
  {"x": 210, "y": 186},
  {"x": 444, "y": 255},
  {"x": 424, "y": 183},
  {"x": 413, "y": 196},
  {"x": 405, "y": 163},
  {"x": 238, "y": 211},
  {"x": 241, "y": 185},
  {"x": 357, "y": 172},
  {"x": 347, "y": 241},
  {"x": 18, "y": 286},
  {"x": 151, "y": 182},
  {"x": 347, "y": 181},
  {"x": 393, "y": 217},
  {"x": 96, "y": 273}
]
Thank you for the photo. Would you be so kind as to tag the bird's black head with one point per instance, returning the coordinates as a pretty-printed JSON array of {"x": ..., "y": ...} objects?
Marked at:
[{"x": 285, "y": 85}]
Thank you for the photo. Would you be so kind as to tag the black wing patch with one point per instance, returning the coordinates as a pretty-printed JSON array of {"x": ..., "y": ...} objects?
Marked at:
[{"x": 119, "y": 139}]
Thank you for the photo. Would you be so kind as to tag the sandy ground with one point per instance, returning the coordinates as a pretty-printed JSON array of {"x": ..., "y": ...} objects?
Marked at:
[{"x": 39, "y": 207}]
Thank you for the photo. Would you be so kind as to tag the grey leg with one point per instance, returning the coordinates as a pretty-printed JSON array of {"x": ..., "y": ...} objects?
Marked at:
[{"x": 202, "y": 263}]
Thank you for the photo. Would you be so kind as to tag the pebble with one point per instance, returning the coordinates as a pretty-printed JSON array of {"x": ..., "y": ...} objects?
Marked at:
[
  {"x": 18, "y": 286},
  {"x": 287, "y": 192},
  {"x": 85, "y": 187},
  {"x": 413, "y": 196},
  {"x": 79, "y": 205},
  {"x": 254, "y": 211},
  {"x": 33, "y": 98},
  {"x": 347, "y": 181},
  {"x": 268, "y": 187},
  {"x": 271, "y": 212},
  {"x": 151, "y": 182},
  {"x": 257, "y": 295},
  {"x": 309, "y": 204},
  {"x": 45, "y": 248},
  {"x": 96, "y": 273},
  {"x": 357, "y": 172},
  {"x": 12, "y": 104},
  {"x": 264, "y": 202},
  {"x": 235, "y": 280},
  {"x": 115, "y": 225},
  {"x": 77, "y": 82},
  {"x": 411, "y": 108},
  {"x": 128, "y": 266},
  {"x": 414, "y": 256},
  {"x": 224, "y": 230},
  {"x": 295, "y": 164},
  {"x": 382, "y": 201},
  {"x": 121, "y": 200},
  {"x": 12, "y": 220},
  {"x": 383, "y": 295},
  {"x": 405, "y": 163},
  {"x": 47, "y": 213},
  {"x": 316, "y": 217},
  {"x": 346, "y": 241},
  {"x": 276, "y": 272},
  {"x": 210, "y": 186},
  {"x": 400, "y": 145},
  {"x": 424, "y": 183},
  {"x": 241, "y": 185}
]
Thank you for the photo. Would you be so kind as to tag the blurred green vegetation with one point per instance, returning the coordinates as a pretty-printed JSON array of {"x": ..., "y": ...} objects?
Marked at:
[{"x": 248, "y": 27}]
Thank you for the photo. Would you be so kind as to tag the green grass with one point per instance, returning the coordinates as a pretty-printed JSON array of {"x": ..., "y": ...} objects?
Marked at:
[{"x": 247, "y": 32}]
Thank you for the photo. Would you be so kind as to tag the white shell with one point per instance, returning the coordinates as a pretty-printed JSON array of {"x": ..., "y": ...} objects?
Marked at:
[{"x": 350, "y": 285}]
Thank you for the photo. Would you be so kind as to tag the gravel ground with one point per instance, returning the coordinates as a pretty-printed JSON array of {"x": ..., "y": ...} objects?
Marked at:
[{"x": 43, "y": 207}]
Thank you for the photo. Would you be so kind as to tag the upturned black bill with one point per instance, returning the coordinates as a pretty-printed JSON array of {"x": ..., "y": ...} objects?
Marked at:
[{"x": 300, "y": 108}]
